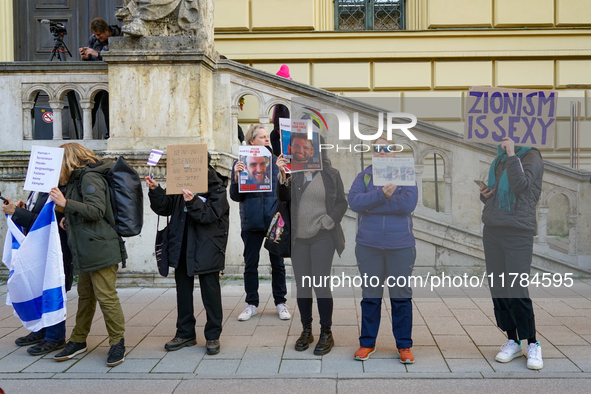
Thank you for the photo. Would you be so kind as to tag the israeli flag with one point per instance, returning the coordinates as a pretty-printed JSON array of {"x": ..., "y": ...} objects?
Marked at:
[{"x": 36, "y": 281}]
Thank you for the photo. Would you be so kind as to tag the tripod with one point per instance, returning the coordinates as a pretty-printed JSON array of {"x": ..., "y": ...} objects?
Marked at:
[{"x": 59, "y": 48}]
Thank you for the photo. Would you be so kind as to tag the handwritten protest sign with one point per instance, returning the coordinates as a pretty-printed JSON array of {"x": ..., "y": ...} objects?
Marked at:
[
  {"x": 186, "y": 168},
  {"x": 44, "y": 169},
  {"x": 528, "y": 117}
]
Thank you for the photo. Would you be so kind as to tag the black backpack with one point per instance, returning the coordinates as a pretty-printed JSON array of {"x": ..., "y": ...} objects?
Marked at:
[{"x": 127, "y": 198}]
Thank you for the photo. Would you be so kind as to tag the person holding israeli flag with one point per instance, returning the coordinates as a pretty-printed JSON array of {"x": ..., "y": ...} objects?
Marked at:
[{"x": 36, "y": 285}]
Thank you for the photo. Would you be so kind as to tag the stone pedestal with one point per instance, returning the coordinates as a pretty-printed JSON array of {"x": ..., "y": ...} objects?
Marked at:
[{"x": 160, "y": 92}]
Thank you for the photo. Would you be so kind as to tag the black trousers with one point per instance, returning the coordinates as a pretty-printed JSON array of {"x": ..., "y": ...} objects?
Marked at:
[
  {"x": 253, "y": 240},
  {"x": 311, "y": 259},
  {"x": 509, "y": 251},
  {"x": 211, "y": 295}
]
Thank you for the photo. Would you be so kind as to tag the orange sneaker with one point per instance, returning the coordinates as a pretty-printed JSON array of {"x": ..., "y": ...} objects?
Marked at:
[
  {"x": 406, "y": 356},
  {"x": 363, "y": 353}
]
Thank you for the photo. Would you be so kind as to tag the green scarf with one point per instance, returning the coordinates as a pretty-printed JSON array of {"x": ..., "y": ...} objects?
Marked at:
[{"x": 504, "y": 193}]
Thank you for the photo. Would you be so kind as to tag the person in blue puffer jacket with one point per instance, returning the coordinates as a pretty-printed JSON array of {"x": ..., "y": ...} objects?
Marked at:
[
  {"x": 385, "y": 247},
  {"x": 256, "y": 212}
]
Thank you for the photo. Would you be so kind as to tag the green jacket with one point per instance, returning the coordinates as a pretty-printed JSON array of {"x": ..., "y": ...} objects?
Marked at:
[{"x": 94, "y": 243}]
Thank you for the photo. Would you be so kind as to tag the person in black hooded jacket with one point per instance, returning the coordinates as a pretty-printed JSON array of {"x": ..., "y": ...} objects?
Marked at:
[{"x": 195, "y": 245}]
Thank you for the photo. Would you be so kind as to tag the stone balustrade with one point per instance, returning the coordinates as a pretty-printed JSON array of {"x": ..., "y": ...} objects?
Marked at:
[
  {"x": 463, "y": 163},
  {"x": 21, "y": 81},
  {"x": 451, "y": 238}
]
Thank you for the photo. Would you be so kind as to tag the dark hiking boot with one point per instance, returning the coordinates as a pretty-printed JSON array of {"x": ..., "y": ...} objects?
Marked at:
[
  {"x": 305, "y": 338},
  {"x": 325, "y": 343}
]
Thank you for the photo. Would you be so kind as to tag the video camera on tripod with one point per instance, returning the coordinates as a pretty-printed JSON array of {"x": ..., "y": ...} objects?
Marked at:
[
  {"x": 56, "y": 28},
  {"x": 59, "y": 31}
]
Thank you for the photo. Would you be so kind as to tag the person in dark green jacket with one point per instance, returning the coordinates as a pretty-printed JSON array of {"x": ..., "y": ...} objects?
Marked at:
[{"x": 95, "y": 246}]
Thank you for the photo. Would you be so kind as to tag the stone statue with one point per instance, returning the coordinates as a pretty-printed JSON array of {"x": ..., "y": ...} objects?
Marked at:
[{"x": 160, "y": 17}]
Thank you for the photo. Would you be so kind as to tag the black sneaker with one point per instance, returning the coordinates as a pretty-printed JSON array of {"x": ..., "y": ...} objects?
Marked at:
[
  {"x": 178, "y": 343},
  {"x": 31, "y": 339},
  {"x": 72, "y": 349},
  {"x": 45, "y": 347},
  {"x": 116, "y": 354},
  {"x": 212, "y": 346}
]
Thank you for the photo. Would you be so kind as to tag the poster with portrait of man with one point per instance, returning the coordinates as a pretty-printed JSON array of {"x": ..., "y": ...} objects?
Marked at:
[
  {"x": 305, "y": 153},
  {"x": 399, "y": 171},
  {"x": 258, "y": 169}
]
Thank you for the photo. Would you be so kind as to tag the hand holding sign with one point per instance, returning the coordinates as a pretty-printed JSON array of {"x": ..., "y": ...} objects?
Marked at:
[
  {"x": 57, "y": 197},
  {"x": 238, "y": 168},
  {"x": 188, "y": 195},
  {"x": 508, "y": 146}
]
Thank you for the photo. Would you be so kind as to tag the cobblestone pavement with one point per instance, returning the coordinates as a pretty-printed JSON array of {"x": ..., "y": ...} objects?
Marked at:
[{"x": 455, "y": 342}]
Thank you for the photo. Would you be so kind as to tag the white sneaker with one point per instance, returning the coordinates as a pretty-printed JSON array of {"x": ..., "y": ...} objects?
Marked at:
[
  {"x": 534, "y": 356},
  {"x": 283, "y": 312},
  {"x": 248, "y": 312},
  {"x": 509, "y": 351}
]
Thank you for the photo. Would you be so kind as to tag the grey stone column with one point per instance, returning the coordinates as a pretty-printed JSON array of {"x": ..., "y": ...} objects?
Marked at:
[
  {"x": 265, "y": 121},
  {"x": 56, "y": 107},
  {"x": 27, "y": 121},
  {"x": 419, "y": 168},
  {"x": 87, "y": 106},
  {"x": 447, "y": 179},
  {"x": 572, "y": 235},
  {"x": 235, "y": 111}
]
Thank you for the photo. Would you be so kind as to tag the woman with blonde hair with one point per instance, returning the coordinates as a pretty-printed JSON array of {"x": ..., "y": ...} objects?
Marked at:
[
  {"x": 256, "y": 212},
  {"x": 385, "y": 247},
  {"x": 96, "y": 248}
]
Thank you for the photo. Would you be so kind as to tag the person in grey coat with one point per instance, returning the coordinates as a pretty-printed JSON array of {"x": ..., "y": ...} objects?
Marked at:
[{"x": 509, "y": 217}]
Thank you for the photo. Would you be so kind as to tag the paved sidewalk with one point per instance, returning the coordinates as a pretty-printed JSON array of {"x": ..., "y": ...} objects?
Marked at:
[{"x": 455, "y": 339}]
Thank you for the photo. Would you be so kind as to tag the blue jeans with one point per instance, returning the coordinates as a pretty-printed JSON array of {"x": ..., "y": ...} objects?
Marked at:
[
  {"x": 54, "y": 333},
  {"x": 383, "y": 263},
  {"x": 253, "y": 240}
]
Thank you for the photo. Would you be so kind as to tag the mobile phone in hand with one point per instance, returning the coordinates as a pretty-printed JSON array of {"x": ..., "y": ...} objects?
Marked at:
[{"x": 481, "y": 184}]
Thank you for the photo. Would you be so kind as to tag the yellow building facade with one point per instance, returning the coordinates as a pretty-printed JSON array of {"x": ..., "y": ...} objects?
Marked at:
[{"x": 446, "y": 46}]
